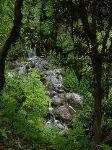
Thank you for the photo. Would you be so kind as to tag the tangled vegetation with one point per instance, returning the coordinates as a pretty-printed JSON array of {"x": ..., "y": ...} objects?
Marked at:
[{"x": 77, "y": 36}]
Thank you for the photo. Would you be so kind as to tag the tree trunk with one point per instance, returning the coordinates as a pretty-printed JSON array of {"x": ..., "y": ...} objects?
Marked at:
[
  {"x": 107, "y": 81},
  {"x": 14, "y": 34},
  {"x": 97, "y": 93}
]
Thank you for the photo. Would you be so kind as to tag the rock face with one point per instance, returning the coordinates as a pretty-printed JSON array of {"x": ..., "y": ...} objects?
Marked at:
[
  {"x": 61, "y": 110},
  {"x": 62, "y": 104},
  {"x": 53, "y": 79},
  {"x": 27, "y": 65}
]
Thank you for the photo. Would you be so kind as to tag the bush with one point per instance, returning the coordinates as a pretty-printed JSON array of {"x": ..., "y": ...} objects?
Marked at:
[
  {"x": 72, "y": 84},
  {"x": 22, "y": 109},
  {"x": 75, "y": 138}
]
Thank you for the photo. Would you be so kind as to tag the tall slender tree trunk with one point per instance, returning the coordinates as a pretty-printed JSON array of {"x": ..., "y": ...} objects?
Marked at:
[
  {"x": 14, "y": 34},
  {"x": 97, "y": 93}
]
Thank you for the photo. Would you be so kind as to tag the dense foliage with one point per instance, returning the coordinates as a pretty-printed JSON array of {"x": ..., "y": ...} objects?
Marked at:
[{"x": 77, "y": 36}]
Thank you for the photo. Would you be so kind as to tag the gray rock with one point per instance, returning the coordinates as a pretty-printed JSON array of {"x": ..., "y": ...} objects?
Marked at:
[
  {"x": 74, "y": 99},
  {"x": 61, "y": 94},
  {"x": 56, "y": 100},
  {"x": 64, "y": 113},
  {"x": 53, "y": 93},
  {"x": 58, "y": 124},
  {"x": 71, "y": 109},
  {"x": 48, "y": 124},
  {"x": 65, "y": 128},
  {"x": 53, "y": 82}
]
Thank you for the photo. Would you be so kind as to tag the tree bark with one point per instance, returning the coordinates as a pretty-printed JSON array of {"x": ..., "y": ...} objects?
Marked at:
[
  {"x": 97, "y": 93},
  {"x": 14, "y": 34}
]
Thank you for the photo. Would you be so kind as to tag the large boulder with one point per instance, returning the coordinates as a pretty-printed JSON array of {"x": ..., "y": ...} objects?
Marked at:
[
  {"x": 65, "y": 112},
  {"x": 54, "y": 79},
  {"x": 74, "y": 100}
]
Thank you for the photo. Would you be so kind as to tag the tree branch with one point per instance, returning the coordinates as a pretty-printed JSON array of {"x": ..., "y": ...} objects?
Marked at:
[
  {"x": 14, "y": 35},
  {"x": 91, "y": 34}
]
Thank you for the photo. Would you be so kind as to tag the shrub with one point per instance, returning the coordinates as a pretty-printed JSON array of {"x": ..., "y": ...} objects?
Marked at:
[{"x": 22, "y": 108}]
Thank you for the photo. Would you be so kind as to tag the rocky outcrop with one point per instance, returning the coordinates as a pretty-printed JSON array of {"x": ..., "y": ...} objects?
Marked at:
[
  {"x": 63, "y": 104},
  {"x": 61, "y": 109}
]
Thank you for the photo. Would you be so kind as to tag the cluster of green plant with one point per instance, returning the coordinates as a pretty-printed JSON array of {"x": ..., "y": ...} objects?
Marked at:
[
  {"x": 6, "y": 17},
  {"x": 75, "y": 138},
  {"x": 22, "y": 118},
  {"x": 81, "y": 39},
  {"x": 85, "y": 114},
  {"x": 22, "y": 111}
]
